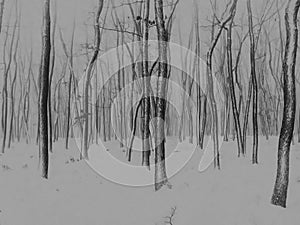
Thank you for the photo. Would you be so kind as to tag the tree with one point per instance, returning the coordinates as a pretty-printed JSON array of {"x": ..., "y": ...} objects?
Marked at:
[
  {"x": 210, "y": 84},
  {"x": 7, "y": 67},
  {"x": 43, "y": 101},
  {"x": 289, "y": 91},
  {"x": 231, "y": 83},
  {"x": 163, "y": 36},
  {"x": 51, "y": 75},
  {"x": 88, "y": 79},
  {"x": 253, "y": 86},
  {"x": 146, "y": 86},
  {"x": 1, "y": 13}
]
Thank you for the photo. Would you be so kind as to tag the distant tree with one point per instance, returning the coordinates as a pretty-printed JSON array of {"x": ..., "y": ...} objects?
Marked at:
[
  {"x": 1, "y": 13},
  {"x": 43, "y": 101},
  {"x": 7, "y": 62},
  {"x": 51, "y": 75},
  {"x": 287, "y": 129}
]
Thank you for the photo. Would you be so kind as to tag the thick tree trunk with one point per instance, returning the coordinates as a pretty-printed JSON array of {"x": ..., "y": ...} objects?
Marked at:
[
  {"x": 160, "y": 167},
  {"x": 43, "y": 101},
  {"x": 282, "y": 178}
]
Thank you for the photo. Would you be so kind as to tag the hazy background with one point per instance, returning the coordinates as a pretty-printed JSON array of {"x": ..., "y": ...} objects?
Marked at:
[{"x": 80, "y": 11}]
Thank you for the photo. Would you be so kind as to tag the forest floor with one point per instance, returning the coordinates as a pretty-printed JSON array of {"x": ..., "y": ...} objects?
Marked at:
[{"x": 75, "y": 194}]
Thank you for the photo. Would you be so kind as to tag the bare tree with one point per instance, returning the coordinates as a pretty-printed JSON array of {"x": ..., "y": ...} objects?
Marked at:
[
  {"x": 287, "y": 129},
  {"x": 210, "y": 85},
  {"x": 163, "y": 36},
  {"x": 89, "y": 69},
  {"x": 1, "y": 13},
  {"x": 253, "y": 85},
  {"x": 51, "y": 74},
  {"x": 71, "y": 61},
  {"x": 13, "y": 84},
  {"x": 231, "y": 83},
  {"x": 43, "y": 101},
  {"x": 7, "y": 67}
]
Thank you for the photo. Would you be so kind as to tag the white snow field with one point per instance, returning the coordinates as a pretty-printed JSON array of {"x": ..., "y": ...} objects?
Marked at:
[{"x": 75, "y": 194}]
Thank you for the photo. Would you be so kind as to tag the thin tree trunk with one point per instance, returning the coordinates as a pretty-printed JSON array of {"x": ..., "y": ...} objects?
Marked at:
[
  {"x": 44, "y": 90},
  {"x": 70, "y": 87},
  {"x": 254, "y": 85},
  {"x": 12, "y": 90},
  {"x": 232, "y": 86},
  {"x": 51, "y": 76},
  {"x": 1, "y": 13},
  {"x": 88, "y": 79}
]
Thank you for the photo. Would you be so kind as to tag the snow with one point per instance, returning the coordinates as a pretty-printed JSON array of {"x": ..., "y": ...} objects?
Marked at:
[{"x": 75, "y": 194}]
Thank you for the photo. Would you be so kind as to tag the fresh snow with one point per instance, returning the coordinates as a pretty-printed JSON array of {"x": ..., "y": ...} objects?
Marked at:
[{"x": 76, "y": 194}]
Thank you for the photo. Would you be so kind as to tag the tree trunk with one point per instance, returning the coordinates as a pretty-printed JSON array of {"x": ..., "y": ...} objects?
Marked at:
[
  {"x": 146, "y": 86},
  {"x": 282, "y": 179},
  {"x": 1, "y": 13},
  {"x": 232, "y": 86},
  {"x": 50, "y": 79},
  {"x": 254, "y": 85},
  {"x": 70, "y": 88},
  {"x": 88, "y": 80},
  {"x": 160, "y": 168},
  {"x": 43, "y": 101}
]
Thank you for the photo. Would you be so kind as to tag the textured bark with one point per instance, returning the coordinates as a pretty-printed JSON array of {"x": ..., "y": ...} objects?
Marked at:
[
  {"x": 43, "y": 101},
  {"x": 146, "y": 86},
  {"x": 160, "y": 168},
  {"x": 279, "y": 196}
]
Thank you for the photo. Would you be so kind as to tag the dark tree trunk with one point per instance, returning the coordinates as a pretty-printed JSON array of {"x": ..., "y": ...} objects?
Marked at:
[
  {"x": 43, "y": 101},
  {"x": 236, "y": 115},
  {"x": 287, "y": 129}
]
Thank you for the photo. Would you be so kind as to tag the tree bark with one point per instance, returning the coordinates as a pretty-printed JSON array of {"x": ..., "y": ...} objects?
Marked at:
[
  {"x": 160, "y": 167},
  {"x": 279, "y": 196},
  {"x": 43, "y": 101}
]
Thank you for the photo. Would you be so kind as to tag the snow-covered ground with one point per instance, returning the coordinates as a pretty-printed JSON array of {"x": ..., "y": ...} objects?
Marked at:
[{"x": 75, "y": 194}]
